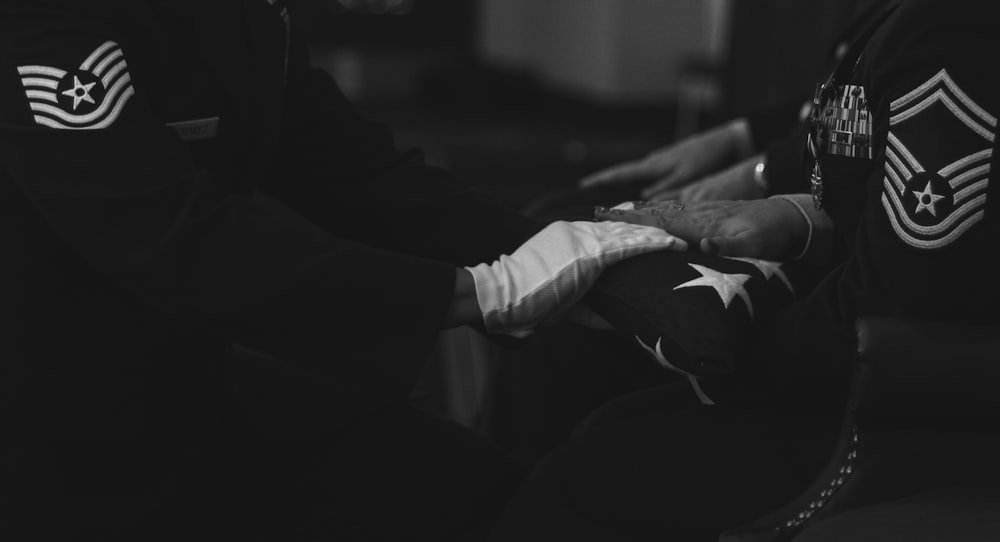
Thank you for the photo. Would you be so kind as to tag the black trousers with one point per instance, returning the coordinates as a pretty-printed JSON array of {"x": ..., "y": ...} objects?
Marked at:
[
  {"x": 655, "y": 465},
  {"x": 400, "y": 475},
  {"x": 263, "y": 466}
]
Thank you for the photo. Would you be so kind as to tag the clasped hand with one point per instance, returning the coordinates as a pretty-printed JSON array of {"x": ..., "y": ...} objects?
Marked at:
[
  {"x": 545, "y": 278},
  {"x": 771, "y": 229}
]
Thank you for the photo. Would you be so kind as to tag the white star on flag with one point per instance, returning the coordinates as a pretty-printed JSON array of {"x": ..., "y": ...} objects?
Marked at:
[
  {"x": 657, "y": 354},
  {"x": 768, "y": 269},
  {"x": 726, "y": 285}
]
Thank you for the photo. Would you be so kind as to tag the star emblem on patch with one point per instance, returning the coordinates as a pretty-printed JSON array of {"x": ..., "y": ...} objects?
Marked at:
[
  {"x": 90, "y": 96},
  {"x": 937, "y": 165}
]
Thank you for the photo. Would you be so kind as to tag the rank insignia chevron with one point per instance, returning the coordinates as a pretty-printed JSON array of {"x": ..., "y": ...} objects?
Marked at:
[
  {"x": 90, "y": 97},
  {"x": 937, "y": 163}
]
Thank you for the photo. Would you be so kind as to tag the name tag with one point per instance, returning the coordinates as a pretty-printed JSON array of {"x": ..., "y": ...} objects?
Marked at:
[{"x": 196, "y": 130}]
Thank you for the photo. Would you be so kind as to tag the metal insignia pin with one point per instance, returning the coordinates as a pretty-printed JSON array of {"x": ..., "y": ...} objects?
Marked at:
[{"x": 816, "y": 186}]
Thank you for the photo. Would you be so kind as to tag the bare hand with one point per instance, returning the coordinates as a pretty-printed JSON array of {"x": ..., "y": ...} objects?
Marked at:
[
  {"x": 676, "y": 165},
  {"x": 770, "y": 229},
  {"x": 732, "y": 183}
]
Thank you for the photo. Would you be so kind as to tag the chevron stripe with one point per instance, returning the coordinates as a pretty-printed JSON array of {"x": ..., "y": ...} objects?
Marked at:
[
  {"x": 57, "y": 118},
  {"x": 929, "y": 243},
  {"x": 913, "y": 166},
  {"x": 94, "y": 57},
  {"x": 45, "y": 95},
  {"x": 983, "y": 156},
  {"x": 942, "y": 89},
  {"x": 981, "y": 172},
  {"x": 959, "y": 214},
  {"x": 46, "y": 72},
  {"x": 969, "y": 191}
]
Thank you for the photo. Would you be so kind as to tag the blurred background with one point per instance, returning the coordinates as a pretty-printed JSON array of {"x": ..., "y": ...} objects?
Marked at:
[{"x": 522, "y": 98}]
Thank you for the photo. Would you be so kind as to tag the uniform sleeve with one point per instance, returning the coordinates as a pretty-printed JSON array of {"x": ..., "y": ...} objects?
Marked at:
[
  {"x": 786, "y": 168},
  {"x": 345, "y": 172},
  {"x": 927, "y": 239},
  {"x": 924, "y": 245},
  {"x": 79, "y": 139}
]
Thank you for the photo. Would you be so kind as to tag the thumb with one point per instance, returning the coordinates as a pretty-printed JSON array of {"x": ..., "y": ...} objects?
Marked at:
[{"x": 721, "y": 246}]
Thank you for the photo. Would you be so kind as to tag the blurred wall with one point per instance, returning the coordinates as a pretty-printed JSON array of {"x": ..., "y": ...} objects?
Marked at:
[
  {"x": 608, "y": 51},
  {"x": 782, "y": 48}
]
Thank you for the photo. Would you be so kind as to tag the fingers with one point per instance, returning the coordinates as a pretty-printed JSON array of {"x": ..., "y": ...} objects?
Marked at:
[
  {"x": 718, "y": 246},
  {"x": 665, "y": 184},
  {"x": 690, "y": 221},
  {"x": 638, "y": 238},
  {"x": 642, "y": 207},
  {"x": 614, "y": 175},
  {"x": 629, "y": 215},
  {"x": 685, "y": 231},
  {"x": 675, "y": 194},
  {"x": 734, "y": 246},
  {"x": 628, "y": 172},
  {"x": 627, "y": 237}
]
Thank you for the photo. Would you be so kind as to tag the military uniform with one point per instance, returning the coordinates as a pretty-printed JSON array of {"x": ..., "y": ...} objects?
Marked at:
[
  {"x": 905, "y": 144},
  {"x": 175, "y": 178},
  {"x": 777, "y": 131}
]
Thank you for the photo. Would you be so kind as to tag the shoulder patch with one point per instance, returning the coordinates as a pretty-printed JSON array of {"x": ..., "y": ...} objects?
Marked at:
[
  {"x": 937, "y": 163},
  {"x": 89, "y": 97}
]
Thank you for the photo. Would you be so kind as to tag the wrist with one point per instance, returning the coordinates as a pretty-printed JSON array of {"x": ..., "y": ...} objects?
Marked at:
[
  {"x": 815, "y": 244},
  {"x": 464, "y": 307},
  {"x": 797, "y": 238}
]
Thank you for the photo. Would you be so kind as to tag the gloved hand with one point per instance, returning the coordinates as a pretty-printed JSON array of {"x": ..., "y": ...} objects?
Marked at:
[
  {"x": 777, "y": 228},
  {"x": 549, "y": 273}
]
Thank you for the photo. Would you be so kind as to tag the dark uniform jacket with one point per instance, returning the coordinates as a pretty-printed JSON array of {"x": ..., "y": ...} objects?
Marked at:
[
  {"x": 916, "y": 223},
  {"x": 175, "y": 177},
  {"x": 778, "y": 131}
]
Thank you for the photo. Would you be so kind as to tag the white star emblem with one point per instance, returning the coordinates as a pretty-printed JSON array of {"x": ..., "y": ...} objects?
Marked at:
[
  {"x": 768, "y": 269},
  {"x": 927, "y": 200},
  {"x": 726, "y": 285},
  {"x": 79, "y": 92}
]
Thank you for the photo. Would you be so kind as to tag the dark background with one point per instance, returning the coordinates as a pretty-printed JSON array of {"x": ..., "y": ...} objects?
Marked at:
[{"x": 516, "y": 138}]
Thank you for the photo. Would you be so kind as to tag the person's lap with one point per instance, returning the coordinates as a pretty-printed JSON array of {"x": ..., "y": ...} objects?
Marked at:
[
  {"x": 666, "y": 468},
  {"x": 399, "y": 475}
]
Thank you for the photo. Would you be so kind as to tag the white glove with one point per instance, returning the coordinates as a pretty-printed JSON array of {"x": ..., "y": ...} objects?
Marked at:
[{"x": 550, "y": 272}]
